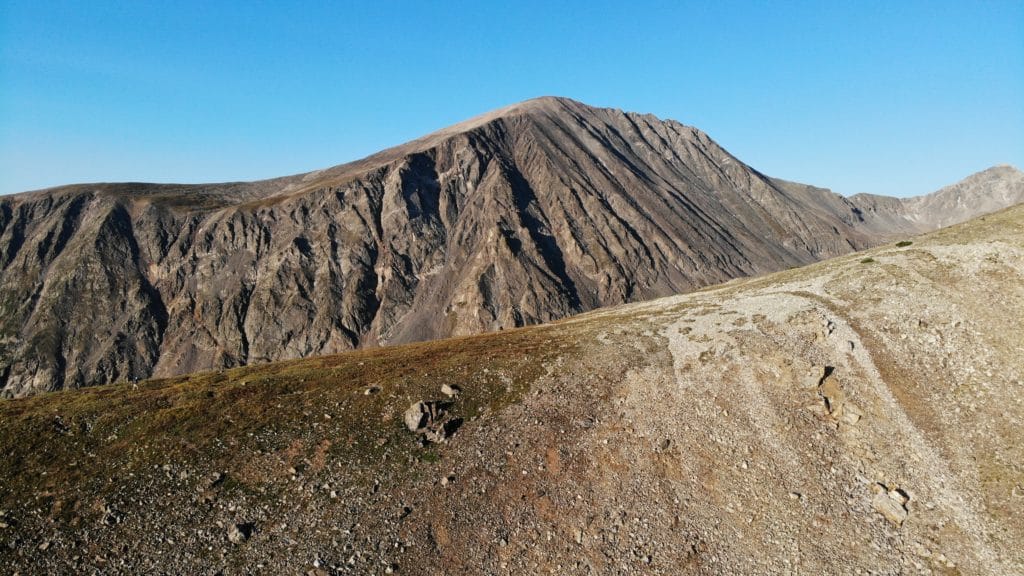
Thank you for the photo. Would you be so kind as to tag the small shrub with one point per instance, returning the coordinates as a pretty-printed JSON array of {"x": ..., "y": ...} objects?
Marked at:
[
  {"x": 867, "y": 261},
  {"x": 903, "y": 243}
]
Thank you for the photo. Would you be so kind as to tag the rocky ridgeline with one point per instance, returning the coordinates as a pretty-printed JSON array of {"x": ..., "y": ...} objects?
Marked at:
[{"x": 529, "y": 214}]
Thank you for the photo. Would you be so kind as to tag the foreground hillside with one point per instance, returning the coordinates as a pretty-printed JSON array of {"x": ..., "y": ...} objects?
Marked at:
[
  {"x": 859, "y": 414},
  {"x": 525, "y": 215}
]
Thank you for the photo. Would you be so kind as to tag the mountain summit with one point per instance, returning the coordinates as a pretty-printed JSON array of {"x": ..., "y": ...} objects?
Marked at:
[{"x": 527, "y": 214}]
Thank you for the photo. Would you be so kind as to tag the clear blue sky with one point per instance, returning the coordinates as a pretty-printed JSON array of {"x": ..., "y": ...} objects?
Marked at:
[{"x": 890, "y": 97}]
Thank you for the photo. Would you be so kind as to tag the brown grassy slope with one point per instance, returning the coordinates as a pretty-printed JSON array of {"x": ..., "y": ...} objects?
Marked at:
[{"x": 683, "y": 435}]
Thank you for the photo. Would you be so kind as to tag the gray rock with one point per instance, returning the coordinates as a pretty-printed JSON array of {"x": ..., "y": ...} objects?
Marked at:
[
  {"x": 417, "y": 416},
  {"x": 238, "y": 533},
  {"x": 430, "y": 420},
  {"x": 890, "y": 503}
]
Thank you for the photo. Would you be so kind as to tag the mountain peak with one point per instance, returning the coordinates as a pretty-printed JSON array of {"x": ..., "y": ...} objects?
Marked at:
[
  {"x": 547, "y": 102},
  {"x": 541, "y": 104},
  {"x": 547, "y": 107},
  {"x": 998, "y": 170}
]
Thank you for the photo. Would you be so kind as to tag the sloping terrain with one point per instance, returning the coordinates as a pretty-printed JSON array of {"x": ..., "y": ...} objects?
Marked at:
[
  {"x": 980, "y": 193},
  {"x": 862, "y": 414},
  {"x": 528, "y": 214}
]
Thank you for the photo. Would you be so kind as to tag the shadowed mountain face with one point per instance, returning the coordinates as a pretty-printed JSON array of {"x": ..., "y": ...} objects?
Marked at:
[{"x": 527, "y": 214}]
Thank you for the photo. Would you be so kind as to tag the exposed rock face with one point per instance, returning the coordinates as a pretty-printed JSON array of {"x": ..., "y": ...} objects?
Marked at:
[{"x": 524, "y": 215}]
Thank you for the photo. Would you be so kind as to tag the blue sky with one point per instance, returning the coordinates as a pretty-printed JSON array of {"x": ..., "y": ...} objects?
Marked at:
[{"x": 895, "y": 98}]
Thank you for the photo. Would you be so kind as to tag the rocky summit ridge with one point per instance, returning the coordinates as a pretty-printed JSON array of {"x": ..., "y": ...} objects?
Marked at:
[{"x": 528, "y": 214}]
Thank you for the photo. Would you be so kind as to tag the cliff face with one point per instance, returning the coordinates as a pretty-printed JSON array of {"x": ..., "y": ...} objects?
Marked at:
[{"x": 525, "y": 215}]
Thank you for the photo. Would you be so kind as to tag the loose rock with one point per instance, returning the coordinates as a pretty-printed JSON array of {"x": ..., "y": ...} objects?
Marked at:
[
  {"x": 239, "y": 533},
  {"x": 890, "y": 503},
  {"x": 430, "y": 420}
]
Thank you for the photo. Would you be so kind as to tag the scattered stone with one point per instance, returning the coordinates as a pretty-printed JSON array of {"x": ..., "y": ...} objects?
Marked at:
[
  {"x": 371, "y": 390},
  {"x": 416, "y": 416},
  {"x": 890, "y": 503},
  {"x": 817, "y": 376},
  {"x": 899, "y": 496},
  {"x": 836, "y": 404},
  {"x": 431, "y": 421},
  {"x": 450, "y": 391},
  {"x": 239, "y": 533},
  {"x": 59, "y": 426}
]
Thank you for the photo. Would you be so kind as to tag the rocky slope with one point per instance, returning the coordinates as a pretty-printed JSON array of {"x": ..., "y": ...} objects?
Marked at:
[
  {"x": 524, "y": 215},
  {"x": 859, "y": 415},
  {"x": 980, "y": 193}
]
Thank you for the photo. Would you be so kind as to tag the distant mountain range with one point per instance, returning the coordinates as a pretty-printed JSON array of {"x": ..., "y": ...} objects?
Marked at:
[{"x": 524, "y": 215}]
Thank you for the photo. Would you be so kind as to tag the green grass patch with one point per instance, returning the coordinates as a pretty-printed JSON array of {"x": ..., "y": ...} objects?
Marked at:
[{"x": 903, "y": 243}]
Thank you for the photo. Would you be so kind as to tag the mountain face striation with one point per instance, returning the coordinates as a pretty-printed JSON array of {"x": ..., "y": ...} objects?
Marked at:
[{"x": 527, "y": 214}]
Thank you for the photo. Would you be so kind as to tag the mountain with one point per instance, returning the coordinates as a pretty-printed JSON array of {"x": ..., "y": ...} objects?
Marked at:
[
  {"x": 527, "y": 214},
  {"x": 858, "y": 415},
  {"x": 887, "y": 217},
  {"x": 981, "y": 193}
]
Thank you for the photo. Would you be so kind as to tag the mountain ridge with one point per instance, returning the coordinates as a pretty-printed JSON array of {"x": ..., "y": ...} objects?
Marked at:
[{"x": 523, "y": 215}]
